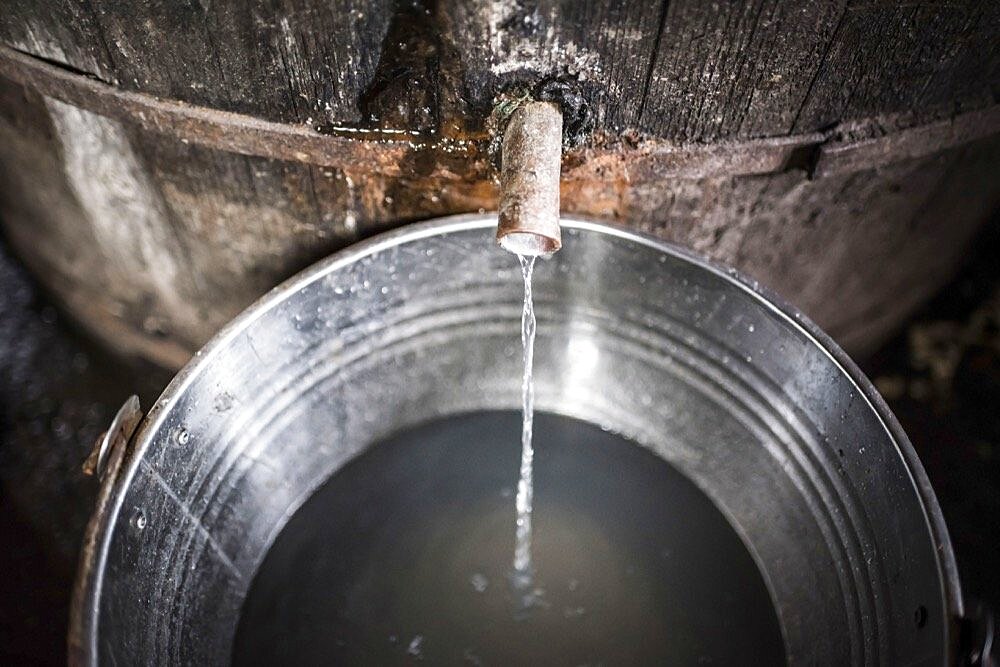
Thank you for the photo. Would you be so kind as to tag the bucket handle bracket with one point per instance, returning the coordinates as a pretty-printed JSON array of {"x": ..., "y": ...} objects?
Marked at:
[{"x": 122, "y": 427}]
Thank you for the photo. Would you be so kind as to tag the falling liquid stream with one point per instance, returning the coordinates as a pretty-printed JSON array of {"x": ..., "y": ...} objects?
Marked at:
[{"x": 523, "y": 570}]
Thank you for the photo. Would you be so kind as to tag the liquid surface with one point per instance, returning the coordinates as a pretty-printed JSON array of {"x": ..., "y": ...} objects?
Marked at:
[{"x": 404, "y": 556}]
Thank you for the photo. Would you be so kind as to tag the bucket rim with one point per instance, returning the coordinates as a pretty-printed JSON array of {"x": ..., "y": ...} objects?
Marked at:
[{"x": 85, "y": 607}]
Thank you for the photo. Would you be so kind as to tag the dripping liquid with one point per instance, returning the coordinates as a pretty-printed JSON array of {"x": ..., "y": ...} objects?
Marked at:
[{"x": 522, "y": 574}]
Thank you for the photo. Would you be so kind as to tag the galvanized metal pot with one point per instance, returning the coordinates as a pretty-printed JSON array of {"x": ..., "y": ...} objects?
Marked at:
[{"x": 745, "y": 397}]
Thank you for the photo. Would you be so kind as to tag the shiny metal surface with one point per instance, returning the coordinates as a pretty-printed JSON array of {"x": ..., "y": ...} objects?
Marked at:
[{"x": 745, "y": 397}]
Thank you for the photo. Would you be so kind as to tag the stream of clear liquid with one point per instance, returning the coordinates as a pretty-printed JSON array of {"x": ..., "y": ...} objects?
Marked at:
[{"x": 522, "y": 548}]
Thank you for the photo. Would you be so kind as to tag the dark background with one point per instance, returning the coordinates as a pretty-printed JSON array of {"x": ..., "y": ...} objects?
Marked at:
[{"x": 58, "y": 391}]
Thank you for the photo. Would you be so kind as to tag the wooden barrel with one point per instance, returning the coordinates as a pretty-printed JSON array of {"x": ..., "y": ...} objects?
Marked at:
[{"x": 163, "y": 164}]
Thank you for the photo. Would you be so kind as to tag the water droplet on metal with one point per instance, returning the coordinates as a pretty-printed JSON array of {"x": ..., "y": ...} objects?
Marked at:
[{"x": 479, "y": 582}]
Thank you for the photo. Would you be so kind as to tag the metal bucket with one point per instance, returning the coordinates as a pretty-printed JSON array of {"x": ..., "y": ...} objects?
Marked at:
[{"x": 745, "y": 397}]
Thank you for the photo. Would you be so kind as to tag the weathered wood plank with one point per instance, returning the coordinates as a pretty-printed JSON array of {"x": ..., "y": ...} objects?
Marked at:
[
  {"x": 855, "y": 250},
  {"x": 606, "y": 46},
  {"x": 685, "y": 70},
  {"x": 852, "y": 146},
  {"x": 290, "y": 61},
  {"x": 861, "y": 146},
  {"x": 240, "y": 133},
  {"x": 787, "y": 138},
  {"x": 925, "y": 59},
  {"x": 61, "y": 31},
  {"x": 736, "y": 69}
]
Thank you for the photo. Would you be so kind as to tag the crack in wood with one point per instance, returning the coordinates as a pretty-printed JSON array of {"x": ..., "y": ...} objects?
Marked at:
[{"x": 661, "y": 23}]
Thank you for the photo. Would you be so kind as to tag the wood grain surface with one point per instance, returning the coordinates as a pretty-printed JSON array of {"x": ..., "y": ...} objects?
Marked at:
[{"x": 163, "y": 164}]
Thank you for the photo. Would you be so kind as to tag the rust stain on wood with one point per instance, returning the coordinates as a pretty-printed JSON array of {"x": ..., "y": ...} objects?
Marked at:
[{"x": 384, "y": 150}]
